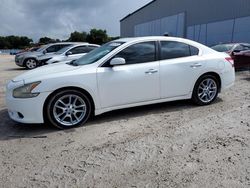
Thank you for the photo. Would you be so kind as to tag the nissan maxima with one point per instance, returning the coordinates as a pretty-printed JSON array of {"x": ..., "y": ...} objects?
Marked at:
[{"x": 120, "y": 74}]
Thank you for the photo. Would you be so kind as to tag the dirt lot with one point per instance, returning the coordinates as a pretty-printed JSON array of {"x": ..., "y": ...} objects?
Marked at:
[{"x": 174, "y": 144}]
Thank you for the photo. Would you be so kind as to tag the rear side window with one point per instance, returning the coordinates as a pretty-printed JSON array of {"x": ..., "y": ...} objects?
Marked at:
[
  {"x": 194, "y": 51},
  {"x": 55, "y": 48},
  {"x": 51, "y": 49},
  {"x": 80, "y": 50},
  {"x": 90, "y": 48},
  {"x": 139, "y": 53},
  {"x": 172, "y": 49}
]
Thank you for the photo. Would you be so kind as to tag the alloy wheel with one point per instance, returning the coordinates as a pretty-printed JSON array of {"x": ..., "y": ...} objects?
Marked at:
[
  {"x": 207, "y": 90},
  {"x": 69, "y": 110},
  {"x": 31, "y": 63}
]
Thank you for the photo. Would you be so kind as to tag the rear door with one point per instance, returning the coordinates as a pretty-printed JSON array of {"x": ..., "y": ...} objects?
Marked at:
[{"x": 180, "y": 66}]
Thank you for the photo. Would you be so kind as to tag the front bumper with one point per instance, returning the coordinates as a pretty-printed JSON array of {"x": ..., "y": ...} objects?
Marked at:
[
  {"x": 19, "y": 61},
  {"x": 26, "y": 110}
]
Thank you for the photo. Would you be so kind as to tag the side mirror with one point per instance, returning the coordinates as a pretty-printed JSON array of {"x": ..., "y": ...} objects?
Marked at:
[
  {"x": 44, "y": 51},
  {"x": 68, "y": 53},
  {"x": 118, "y": 61}
]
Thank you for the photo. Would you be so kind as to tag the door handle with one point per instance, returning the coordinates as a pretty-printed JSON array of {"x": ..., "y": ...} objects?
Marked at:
[
  {"x": 151, "y": 71},
  {"x": 196, "y": 65}
]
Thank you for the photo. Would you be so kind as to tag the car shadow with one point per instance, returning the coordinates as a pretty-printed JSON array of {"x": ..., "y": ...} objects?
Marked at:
[
  {"x": 16, "y": 69},
  {"x": 11, "y": 130},
  {"x": 145, "y": 110}
]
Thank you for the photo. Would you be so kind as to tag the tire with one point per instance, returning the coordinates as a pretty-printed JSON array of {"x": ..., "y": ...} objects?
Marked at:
[
  {"x": 205, "y": 90},
  {"x": 31, "y": 63},
  {"x": 68, "y": 109}
]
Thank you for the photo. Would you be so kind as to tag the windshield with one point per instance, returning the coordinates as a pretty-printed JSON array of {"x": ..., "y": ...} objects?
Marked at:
[
  {"x": 223, "y": 47},
  {"x": 42, "y": 48},
  {"x": 64, "y": 49},
  {"x": 98, "y": 53}
]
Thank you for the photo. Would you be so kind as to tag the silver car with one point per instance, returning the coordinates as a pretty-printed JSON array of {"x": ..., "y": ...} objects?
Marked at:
[
  {"x": 30, "y": 59},
  {"x": 67, "y": 54}
]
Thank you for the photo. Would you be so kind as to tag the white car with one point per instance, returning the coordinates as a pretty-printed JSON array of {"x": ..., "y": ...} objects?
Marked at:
[
  {"x": 120, "y": 74},
  {"x": 69, "y": 53}
]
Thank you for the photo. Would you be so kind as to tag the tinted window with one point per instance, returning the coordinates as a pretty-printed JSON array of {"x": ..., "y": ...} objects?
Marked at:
[
  {"x": 51, "y": 49},
  {"x": 79, "y": 50},
  {"x": 61, "y": 46},
  {"x": 171, "y": 50},
  {"x": 194, "y": 51},
  {"x": 138, "y": 53},
  {"x": 90, "y": 48},
  {"x": 55, "y": 48}
]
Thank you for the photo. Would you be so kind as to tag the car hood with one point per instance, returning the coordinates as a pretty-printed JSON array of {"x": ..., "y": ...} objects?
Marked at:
[
  {"x": 29, "y": 53},
  {"x": 45, "y": 71}
]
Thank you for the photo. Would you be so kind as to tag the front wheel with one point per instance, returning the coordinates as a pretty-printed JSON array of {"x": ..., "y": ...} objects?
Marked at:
[
  {"x": 31, "y": 63},
  {"x": 206, "y": 90},
  {"x": 68, "y": 109}
]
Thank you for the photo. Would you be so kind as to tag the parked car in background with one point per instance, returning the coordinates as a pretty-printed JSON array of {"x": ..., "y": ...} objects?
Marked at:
[
  {"x": 32, "y": 49},
  {"x": 240, "y": 52},
  {"x": 120, "y": 74},
  {"x": 30, "y": 59},
  {"x": 69, "y": 53}
]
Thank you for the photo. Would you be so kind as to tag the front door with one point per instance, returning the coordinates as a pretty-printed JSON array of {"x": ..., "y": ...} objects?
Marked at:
[{"x": 136, "y": 81}]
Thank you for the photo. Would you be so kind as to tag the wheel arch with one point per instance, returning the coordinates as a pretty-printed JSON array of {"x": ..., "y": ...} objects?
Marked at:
[
  {"x": 216, "y": 75},
  {"x": 27, "y": 58}
]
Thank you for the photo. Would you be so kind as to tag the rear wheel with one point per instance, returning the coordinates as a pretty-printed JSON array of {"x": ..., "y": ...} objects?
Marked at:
[
  {"x": 31, "y": 63},
  {"x": 68, "y": 109},
  {"x": 206, "y": 90}
]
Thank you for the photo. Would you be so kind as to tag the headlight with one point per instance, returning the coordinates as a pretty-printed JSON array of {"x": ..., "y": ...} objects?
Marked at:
[
  {"x": 26, "y": 91},
  {"x": 20, "y": 57}
]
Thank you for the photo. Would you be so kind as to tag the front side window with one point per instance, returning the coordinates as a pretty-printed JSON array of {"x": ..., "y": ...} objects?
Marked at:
[
  {"x": 139, "y": 53},
  {"x": 172, "y": 49}
]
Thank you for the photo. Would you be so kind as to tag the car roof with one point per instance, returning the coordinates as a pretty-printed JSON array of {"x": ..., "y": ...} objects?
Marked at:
[
  {"x": 162, "y": 38},
  {"x": 83, "y": 44},
  {"x": 153, "y": 38},
  {"x": 240, "y": 43}
]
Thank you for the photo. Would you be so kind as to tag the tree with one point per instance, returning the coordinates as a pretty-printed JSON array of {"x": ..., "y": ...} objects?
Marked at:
[
  {"x": 77, "y": 37},
  {"x": 46, "y": 40},
  {"x": 15, "y": 42},
  {"x": 97, "y": 36}
]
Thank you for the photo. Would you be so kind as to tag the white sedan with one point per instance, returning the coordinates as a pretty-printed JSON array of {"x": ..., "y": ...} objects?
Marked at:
[
  {"x": 120, "y": 74},
  {"x": 67, "y": 54}
]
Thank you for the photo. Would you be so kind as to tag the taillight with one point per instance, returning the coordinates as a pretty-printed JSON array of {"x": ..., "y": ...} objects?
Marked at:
[{"x": 230, "y": 60}]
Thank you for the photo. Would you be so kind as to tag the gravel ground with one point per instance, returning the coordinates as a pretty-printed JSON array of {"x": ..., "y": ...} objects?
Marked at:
[{"x": 173, "y": 144}]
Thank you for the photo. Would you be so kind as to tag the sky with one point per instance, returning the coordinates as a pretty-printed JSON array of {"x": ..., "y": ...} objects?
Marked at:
[{"x": 58, "y": 18}]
